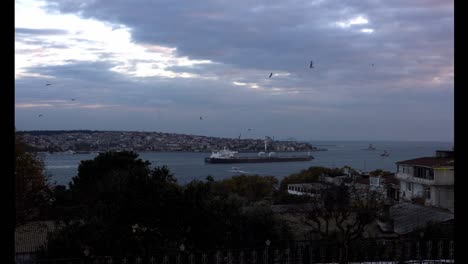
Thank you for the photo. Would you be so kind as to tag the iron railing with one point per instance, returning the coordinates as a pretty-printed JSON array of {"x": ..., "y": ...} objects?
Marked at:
[{"x": 292, "y": 252}]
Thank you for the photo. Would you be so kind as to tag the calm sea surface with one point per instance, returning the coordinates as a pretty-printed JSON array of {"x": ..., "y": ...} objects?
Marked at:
[{"x": 188, "y": 166}]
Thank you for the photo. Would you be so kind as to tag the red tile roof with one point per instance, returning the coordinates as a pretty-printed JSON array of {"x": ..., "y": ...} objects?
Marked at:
[{"x": 429, "y": 162}]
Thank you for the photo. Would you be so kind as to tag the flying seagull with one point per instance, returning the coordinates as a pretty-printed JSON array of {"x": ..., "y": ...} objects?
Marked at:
[
  {"x": 48, "y": 84},
  {"x": 201, "y": 118},
  {"x": 73, "y": 99},
  {"x": 372, "y": 64},
  {"x": 41, "y": 115},
  {"x": 311, "y": 64},
  {"x": 249, "y": 129},
  {"x": 271, "y": 74}
]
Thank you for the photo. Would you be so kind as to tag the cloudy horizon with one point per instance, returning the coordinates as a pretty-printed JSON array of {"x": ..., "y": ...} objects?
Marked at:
[{"x": 381, "y": 70}]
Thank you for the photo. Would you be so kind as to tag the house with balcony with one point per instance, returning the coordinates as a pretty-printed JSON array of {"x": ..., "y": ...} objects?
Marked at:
[{"x": 428, "y": 180}]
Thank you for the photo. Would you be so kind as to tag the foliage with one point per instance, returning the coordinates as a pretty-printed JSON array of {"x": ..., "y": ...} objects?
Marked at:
[
  {"x": 309, "y": 175},
  {"x": 379, "y": 172},
  {"x": 252, "y": 188},
  {"x": 342, "y": 213},
  {"x": 118, "y": 204},
  {"x": 282, "y": 197},
  {"x": 112, "y": 194},
  {"x": 32, "y": 192}
]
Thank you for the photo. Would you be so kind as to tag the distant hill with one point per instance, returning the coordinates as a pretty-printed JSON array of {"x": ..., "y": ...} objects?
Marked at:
[{"x": 56, "y": 132}]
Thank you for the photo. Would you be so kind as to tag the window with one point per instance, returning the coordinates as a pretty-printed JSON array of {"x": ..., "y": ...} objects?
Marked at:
[
  {"x": 424, "y": 173},
  {"x": 405, "y": 169},
  {"x": 408, "y": 186}
]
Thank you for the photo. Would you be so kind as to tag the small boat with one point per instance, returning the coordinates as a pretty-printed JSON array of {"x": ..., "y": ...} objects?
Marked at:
[
  {"x": 385, "y": 154},
  {"x": 237, "y": 170},
  {"x": 370, "y": 147}
]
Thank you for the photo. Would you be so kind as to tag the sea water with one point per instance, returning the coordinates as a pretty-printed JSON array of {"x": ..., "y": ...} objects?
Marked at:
[{"x": 188, "y": 166}]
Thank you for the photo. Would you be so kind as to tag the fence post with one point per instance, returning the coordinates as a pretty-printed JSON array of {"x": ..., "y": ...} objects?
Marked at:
[
  {"x": 288, "y": 260},
  {"x": 301, "y": 254},
  {"x": 204, "y": 258},
  {"x": 138, "y": 260},
  {"x": 254, "y": 257},
  {"x": 429, "y": 250},
  {"x": 418, "y": 252},
  {"x": 311, "y": 254},
  {"x": 408, "y": 250},
  {"x": 440, "y": 249},
  {"x": 276, "y": 257},
  {"x": 323, "y": 253},
  {"x": 165, "y": 260},
  {"x": 451, "y": 250},
  {"x": 241, "y": 257},
  {"x": 217, "y": 257},
  {"x": 191, "y": 258}
]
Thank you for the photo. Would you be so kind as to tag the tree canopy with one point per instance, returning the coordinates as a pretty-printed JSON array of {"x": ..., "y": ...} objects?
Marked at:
[
  {"x": 32, "y": 192},
  {"x": 120, "y": 204}
]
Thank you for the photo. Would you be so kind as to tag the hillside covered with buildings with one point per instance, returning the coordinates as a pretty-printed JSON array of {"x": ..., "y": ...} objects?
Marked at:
[{"x": 86, "y": 140}]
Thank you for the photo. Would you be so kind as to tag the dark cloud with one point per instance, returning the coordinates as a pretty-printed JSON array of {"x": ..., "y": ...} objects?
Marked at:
[{"x": 395, "y": 78}]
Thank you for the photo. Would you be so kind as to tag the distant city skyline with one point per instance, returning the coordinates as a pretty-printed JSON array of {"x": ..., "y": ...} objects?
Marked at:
[{"x": 382, "y": 70}]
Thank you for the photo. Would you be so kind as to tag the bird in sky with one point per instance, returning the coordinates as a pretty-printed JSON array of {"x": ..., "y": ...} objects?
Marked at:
[
  {"x": 201, "y": 118},
  {"x": 311, "y": 64},
  {"x": 41, "y": 115},
  {"x": 48, "y": 84},
  {"x": 73, "y": 99},
  {"x": 249, "y": 129},
  {"x": 372, "y": 64},
  {"x": 271, "y": 74}
]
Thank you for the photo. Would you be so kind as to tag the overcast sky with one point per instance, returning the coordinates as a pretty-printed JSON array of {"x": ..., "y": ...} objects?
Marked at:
[{"x": 382, "y": 70}]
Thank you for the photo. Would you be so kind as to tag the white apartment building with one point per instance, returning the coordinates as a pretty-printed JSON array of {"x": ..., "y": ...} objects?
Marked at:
[{"x": 429, "y": 180}]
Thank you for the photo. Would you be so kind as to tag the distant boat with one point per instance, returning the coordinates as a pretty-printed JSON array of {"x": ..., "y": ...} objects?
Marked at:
[
  {"x": 385, "y": 154},
  {"x": 237, "y": 170},
  {"x": 370, "y": 147}
]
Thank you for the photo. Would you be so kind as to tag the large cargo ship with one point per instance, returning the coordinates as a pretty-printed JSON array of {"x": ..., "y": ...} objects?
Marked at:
[{"x": 229, "y": 156}]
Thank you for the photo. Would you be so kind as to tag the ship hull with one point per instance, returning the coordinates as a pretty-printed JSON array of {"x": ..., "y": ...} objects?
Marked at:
[{"x": 256, "y": 160}]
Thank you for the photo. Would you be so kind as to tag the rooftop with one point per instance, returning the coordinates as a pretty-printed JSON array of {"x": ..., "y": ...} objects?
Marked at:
[
  {"x": 409, "y": 217},
  {"x": 429, "y": 162}
]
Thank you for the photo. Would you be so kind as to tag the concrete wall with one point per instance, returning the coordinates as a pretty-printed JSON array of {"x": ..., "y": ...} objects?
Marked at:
[
  {"x": 443, "y": 176},
  {"x": 444, "y": 198}
]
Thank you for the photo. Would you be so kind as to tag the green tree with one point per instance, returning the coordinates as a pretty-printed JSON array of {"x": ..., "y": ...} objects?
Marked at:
[
  {"x": 120, "y": 205},
  {"x": 379, "y": 172},
  {"x": 32, "y": 192},
  {"x": 253, "y": 188},
  {"x": 342, "y": 213},
  {"x": 309, "y": 175}
]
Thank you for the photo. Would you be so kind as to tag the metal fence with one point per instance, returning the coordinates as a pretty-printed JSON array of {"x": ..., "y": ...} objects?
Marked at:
[{"x": 295, "y": 252}]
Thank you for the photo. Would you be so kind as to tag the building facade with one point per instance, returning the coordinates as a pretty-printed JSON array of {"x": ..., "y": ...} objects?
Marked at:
[{"x": 428, "y": 180}]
